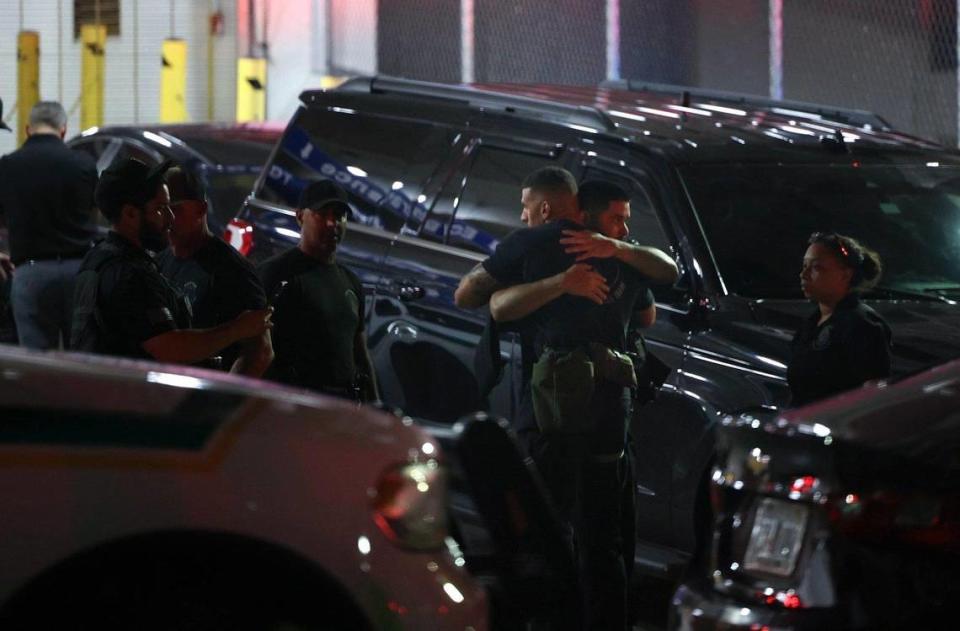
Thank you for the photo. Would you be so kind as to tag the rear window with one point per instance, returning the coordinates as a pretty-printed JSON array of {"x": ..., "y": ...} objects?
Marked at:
[{"x": 382, "y": 163}]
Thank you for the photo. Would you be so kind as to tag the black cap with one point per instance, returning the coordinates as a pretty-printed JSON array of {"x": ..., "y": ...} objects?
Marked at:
[
  {"x": 319, "y": 193},
  {"x": 2, "y": 124},
  {"x": 128, "y": 181},
  {"x": 185, "y": 185}
]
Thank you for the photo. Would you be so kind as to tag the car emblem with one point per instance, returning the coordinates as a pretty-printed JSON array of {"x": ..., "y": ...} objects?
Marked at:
[{"x": 758, "y": 462}]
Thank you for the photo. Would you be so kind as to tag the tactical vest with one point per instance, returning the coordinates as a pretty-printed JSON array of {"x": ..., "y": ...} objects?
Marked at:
[{"x": 87, "y": 329}]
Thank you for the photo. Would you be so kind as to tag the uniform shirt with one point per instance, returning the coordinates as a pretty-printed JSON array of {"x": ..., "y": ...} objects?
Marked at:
[
  {"x": 121, "y": 300},
  {"x": 534, "y": 254},
  {"x": 218, "y": 282},
  {"x": 531, "y": 254},
  {"x": 318, "y": 311},
  {"x": 849, "y": 348},
  {"x": 46, "y": 198}
]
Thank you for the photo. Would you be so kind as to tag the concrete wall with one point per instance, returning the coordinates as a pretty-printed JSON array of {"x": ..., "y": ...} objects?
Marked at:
[
  {"x": 732, "y": 43},
  {"x": 899, "y": 61},
  {"x": 891, "y": 56},
  {"x": 294, "y": 42},
  {"x": 299, "y": 54},
  {"x": 133, "y": 63}
]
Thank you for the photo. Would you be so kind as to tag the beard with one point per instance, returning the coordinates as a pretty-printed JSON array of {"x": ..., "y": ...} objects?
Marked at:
[{"x": 153, "y": 239}]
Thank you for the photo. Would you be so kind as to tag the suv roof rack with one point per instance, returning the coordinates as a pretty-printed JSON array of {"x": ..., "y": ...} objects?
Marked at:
[
  {"x": 837, "y": 114},
  {"x": 480, "y": 99}
]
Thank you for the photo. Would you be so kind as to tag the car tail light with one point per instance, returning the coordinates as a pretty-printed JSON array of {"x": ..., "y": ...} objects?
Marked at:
[
  {"x": 777, "y": 537},
  {"x": 915, "y": 519},
  {"x": 410, "y": 505},
  {"x": 239, "y": 234}
]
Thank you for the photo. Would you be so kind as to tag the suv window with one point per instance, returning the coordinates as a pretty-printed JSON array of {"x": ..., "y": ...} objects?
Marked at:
[
  {"x": 758, "y": 218},
  {"x": 382, "y": 163},
  {"x": 477, "y": 211},
  {"x": 645, "y": 226}
]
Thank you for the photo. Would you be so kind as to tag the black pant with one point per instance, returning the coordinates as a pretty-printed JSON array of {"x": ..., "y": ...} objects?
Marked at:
[{"x": 584, "y": 475}]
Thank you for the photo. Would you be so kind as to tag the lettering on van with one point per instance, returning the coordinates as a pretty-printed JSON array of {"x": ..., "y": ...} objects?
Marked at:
[{"x": 298, "y": 146}]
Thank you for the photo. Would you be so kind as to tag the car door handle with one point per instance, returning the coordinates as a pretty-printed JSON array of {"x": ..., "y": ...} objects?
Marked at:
[
  {"x": 409, "y": 293},
  {"x": 403, "y": 330}
]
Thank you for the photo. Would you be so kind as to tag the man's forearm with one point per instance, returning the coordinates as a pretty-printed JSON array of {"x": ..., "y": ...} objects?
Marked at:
[
  {"x": 186, "y": 346},
  {"x": 475, "y": 288},
  {"x": 255, "y": 356},
  {"x": 653, "y": 263},
  {"x": 520, "y": 301}
]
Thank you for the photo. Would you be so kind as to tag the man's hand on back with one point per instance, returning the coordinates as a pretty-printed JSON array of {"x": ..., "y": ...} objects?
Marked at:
[{"x": 582, "y": 280}]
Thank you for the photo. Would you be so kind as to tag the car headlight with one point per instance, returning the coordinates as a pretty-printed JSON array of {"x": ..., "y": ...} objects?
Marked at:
[{"x": 410, "y": 505}]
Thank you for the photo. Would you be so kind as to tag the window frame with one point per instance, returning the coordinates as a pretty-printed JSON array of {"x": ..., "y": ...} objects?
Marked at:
[
  {"x": 440, "y": 171},
  {"x": 461, "y": 168},
  {"x": 678, "y": 296},
  {"x": 110, "y": 15}
]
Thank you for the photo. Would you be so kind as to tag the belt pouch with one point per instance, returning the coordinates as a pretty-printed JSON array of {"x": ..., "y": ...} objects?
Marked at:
[
  {"x": 562, "y": 386},
  {"x": 613, "y": 366}
]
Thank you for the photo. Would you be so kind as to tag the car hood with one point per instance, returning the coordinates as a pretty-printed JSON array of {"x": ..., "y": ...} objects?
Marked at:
[
  {"x": 916, "y": 419},
  {"x": 925, "y": 334}
]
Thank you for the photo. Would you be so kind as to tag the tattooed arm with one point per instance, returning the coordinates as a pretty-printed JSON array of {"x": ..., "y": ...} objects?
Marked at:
[{"x": 475, "y": 288}]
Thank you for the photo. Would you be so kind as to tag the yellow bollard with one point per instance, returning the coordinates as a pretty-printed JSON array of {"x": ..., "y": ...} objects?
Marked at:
[
  {"x": 173, "y": 82},
  {"x": 93, "y": 39},
  {"x": 251, "y": 89},
  {"x": 28, "y": 79}
]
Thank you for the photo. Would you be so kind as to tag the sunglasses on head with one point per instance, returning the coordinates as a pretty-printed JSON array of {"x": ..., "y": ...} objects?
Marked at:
[{"x": 832, "y": 239}]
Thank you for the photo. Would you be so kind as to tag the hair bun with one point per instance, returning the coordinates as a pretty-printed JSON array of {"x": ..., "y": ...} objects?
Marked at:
[{"x": 871, "y": 265}]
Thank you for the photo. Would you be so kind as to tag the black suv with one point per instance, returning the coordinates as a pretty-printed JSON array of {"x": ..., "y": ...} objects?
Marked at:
[{"x": 731, "y": 186}]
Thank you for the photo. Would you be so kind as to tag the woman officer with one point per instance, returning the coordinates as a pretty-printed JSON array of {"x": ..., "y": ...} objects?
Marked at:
[{"x": 844, "y": 342}]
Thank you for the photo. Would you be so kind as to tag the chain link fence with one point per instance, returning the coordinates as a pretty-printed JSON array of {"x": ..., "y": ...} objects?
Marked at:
[{"x": 895, "y": 57}]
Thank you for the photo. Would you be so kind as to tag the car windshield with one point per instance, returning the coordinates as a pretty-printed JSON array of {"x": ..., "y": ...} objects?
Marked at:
[{"x": 758, "y": 218}]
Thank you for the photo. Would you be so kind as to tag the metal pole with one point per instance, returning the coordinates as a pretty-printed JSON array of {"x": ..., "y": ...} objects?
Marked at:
[
  {"x": 467, "y": 41},
  {"x": 266, "y": 53},
  {"x": 613, "y": 39},
  {"x": 251, "y": 28},
  {"x": 957, "y": 71},
  {"x": 60, "y": 51},
  {"x": 136, "y": 61},
  {"x": 776, "y": 49},
  {"x": 328, "y": 9},
  {"x": 214, "y": 8},
  {"x": 28, "y": 79},
  {"x": 265, "y": 7}
]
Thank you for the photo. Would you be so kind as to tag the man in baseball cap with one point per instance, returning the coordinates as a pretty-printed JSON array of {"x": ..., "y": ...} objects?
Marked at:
[
  {"x": 319, "y": 340},
  {"x": 122, "y": 304},
  {"x": 217, "y": 280},
  {"x": 130, "y": 185}
]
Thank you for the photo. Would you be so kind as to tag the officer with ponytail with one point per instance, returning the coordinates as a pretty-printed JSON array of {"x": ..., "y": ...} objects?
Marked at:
[{"x": 843, "y": 343}]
